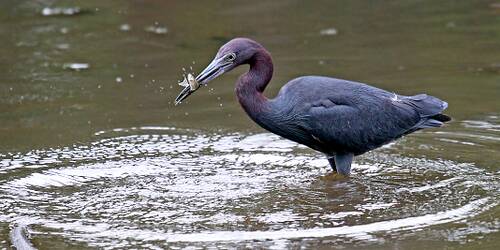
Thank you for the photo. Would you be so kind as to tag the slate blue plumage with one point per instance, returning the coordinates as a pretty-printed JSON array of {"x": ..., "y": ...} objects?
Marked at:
[{"x": 339, "y": 118}]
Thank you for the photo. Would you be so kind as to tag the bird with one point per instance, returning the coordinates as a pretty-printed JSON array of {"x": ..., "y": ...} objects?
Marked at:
[{"x": 339, "y": 118}]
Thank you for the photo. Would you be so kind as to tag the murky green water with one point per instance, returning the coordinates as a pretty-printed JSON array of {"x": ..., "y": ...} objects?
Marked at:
[{"x": 100, "y": 158}]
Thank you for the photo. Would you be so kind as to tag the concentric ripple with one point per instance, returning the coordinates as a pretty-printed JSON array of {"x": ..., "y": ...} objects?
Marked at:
[{"x": 154, "y": 187}]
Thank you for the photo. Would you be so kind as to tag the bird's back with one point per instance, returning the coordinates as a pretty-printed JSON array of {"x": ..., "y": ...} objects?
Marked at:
[{"x": 311, "y": 88}]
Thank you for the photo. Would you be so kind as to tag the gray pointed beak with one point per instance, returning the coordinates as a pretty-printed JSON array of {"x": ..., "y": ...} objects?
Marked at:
[
  {"x": 213, "y": 70},
  {"x": 184, "y": 94}
]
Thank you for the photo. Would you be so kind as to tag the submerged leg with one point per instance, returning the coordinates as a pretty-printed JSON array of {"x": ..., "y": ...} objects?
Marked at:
[
  {"x": 343, "y": 163},
  {"x": 331, "y": 160}
]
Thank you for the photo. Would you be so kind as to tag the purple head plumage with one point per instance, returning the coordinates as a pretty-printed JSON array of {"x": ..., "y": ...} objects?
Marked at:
[{"x": 236, "y": 52}]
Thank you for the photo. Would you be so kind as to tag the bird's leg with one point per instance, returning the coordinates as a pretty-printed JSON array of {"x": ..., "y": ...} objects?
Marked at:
[
  {"x": 343, "y": 163},
  {"x": 331, "y": 160}
]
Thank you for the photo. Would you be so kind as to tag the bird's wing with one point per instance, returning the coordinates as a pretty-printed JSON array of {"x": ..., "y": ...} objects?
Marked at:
[
  {"x": 345, "y": 116},
  {"x": 348, "y": 127}
]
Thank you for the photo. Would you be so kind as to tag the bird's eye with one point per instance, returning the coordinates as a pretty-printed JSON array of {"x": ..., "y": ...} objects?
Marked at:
[{"x": 230, "y": 57}]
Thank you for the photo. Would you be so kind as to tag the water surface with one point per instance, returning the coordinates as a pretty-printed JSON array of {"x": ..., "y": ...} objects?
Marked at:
[{"x": 94, "y": 154}]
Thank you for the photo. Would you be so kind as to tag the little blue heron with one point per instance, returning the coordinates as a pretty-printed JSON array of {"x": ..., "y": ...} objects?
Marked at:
[{"x": 339, "y": 118}]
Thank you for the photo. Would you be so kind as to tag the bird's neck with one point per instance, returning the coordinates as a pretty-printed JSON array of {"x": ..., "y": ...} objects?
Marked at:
[{"x": 251, "y": 85}]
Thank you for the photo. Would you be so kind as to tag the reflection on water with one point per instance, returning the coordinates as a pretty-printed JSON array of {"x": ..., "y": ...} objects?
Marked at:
[{"x": 153, "y": 186}]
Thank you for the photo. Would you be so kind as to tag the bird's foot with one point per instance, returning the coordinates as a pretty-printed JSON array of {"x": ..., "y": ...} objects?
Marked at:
[{"x": 333, "y": 176}]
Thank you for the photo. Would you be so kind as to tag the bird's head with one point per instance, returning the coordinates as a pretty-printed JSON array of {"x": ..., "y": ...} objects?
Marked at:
[{"x": 232, "y": 54}]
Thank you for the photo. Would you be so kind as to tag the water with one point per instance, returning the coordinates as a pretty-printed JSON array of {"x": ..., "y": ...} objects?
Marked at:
[
  {"x": 161, "y": 186},
  {"x": 87, "y": 161}
]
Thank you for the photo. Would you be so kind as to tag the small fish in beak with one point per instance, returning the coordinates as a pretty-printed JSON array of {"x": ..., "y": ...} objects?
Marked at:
[
  {"x": 190, "y": 81},
  {"x": 217, "y": 67},
  {"x": 190, "y": 85}
]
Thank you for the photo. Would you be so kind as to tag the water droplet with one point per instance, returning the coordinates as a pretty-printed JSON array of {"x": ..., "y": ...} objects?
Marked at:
[
  {"x": 26, "y": 44},
  {"x": 76, "y": 66},
  {"x": 328, "y": 32},
  {"x": 60, "y": 11},
  {"x": 62, "y": 46},
  {"x": 160, "y": 30},
  {"x": 125, "y": 27}
]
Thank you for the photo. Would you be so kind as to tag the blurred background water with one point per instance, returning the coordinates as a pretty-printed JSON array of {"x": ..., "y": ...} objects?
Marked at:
[{"x": 93, "y": 152}]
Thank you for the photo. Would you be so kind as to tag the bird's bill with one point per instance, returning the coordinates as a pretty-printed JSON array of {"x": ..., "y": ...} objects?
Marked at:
[
  {"x": 213, "y": 70},
  {"x": 184, "y": 94}
]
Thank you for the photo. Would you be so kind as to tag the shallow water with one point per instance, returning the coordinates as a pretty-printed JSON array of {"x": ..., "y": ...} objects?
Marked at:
[
  {"x": 94, "y": 154},
  {"x": 161, "y": 186}
]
